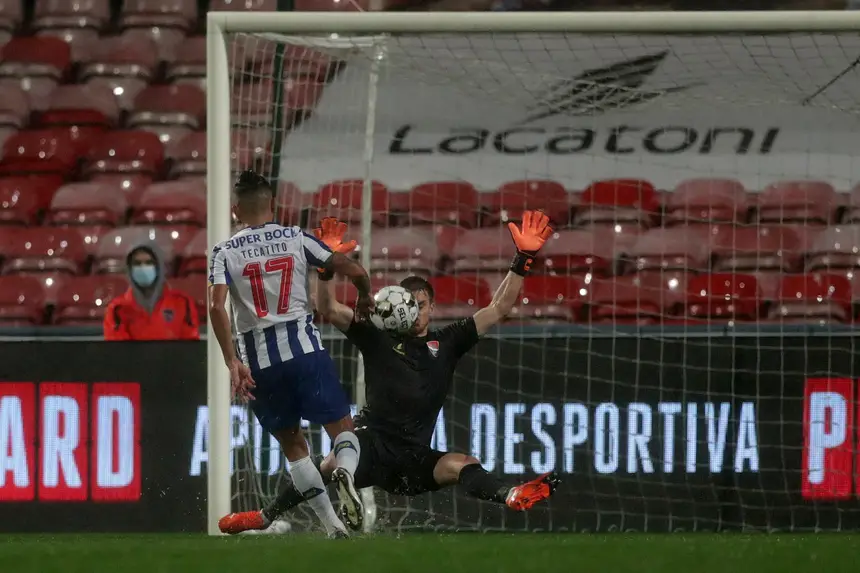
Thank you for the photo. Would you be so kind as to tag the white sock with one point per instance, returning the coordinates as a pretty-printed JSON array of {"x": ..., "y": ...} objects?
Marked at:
[
  {"x": 347, "y": 451},
  {"x": 307, "y": 479}
]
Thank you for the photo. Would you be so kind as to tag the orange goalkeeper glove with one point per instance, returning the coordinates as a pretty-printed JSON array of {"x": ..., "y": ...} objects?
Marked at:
[
  {"x": 529, "y": 238},
  {"x": 331, "y": 232}
]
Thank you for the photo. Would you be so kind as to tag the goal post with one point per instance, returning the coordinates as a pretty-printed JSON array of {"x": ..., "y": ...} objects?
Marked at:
[{"x": 475, "y": 76}]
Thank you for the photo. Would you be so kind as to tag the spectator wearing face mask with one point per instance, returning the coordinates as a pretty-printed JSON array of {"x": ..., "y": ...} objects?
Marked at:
[{"x": 150, "y": 309}]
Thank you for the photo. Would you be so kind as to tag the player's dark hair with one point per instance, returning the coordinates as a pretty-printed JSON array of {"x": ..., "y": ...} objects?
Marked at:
[
  {"x": 252, "y": 190},
  {"x": 415, "y": 283}
]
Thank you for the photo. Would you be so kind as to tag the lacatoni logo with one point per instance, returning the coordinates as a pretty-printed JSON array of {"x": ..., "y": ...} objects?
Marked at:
[
  {"x": 69, "y": 442},
  {"x": 517, "y": 438},
  {"x": 828, "y": 439}
]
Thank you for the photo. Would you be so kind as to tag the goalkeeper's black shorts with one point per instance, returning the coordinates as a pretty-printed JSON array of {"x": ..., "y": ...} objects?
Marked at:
[{"x": 398, "y": 468}]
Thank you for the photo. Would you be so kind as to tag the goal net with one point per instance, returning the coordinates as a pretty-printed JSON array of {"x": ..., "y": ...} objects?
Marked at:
[{"x": 681, "y": 355}]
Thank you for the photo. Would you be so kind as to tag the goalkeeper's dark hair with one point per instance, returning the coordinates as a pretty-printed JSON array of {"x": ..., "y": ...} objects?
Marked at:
[
  {"x": 252, "y": 190},
  {"x": 416, "y": 283}
]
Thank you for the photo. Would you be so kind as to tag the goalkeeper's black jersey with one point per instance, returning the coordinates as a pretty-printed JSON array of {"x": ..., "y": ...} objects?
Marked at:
[{"x": 407, "y": 379}]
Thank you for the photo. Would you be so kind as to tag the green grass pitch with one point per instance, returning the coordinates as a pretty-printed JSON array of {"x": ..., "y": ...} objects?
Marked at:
[{"x": 451, "y": 553}]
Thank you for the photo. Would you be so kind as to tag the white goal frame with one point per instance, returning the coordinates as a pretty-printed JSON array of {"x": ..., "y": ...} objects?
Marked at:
[{"x": 345, "y": 24}]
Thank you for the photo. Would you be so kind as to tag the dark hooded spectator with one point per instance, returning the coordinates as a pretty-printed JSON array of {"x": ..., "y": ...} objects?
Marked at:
[{"x": 150, "y": 309}]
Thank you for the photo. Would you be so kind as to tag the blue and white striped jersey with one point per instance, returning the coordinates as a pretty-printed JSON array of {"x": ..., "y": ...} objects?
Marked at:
[{"x": 267, "y": 270}]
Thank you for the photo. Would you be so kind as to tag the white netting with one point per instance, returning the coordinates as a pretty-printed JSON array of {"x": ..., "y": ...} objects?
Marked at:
[{"x": 642, "y": 423}]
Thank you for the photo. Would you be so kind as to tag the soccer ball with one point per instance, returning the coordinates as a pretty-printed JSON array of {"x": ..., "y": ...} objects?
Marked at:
[{"x": 396, "y": 309}]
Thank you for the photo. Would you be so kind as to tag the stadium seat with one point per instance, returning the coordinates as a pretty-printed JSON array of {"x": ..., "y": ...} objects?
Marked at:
[
  {"x": 290, "y": 203},
  {"x": 169, "y": 111},
  {"x": 194, "y": 258},
  {"x": 412, "y": 249},
  {"x": 22, "y": 301},
  {"x": 512, "y": 198},
  {"x": 189, "y": 63},
  {"x": 757, "y": 248},
  {"x": 824, "y": 298},
  {"x": 114, "y": 246},
  {"x": 460, "y": 296},
  {"x": 165, "y": 21},
  {"x": 243, "y": 5},
  {"x": 583, "y": 251},
  {"x": 617, "y": 202},
  {"x": 698, "y": 201},
  {"x": 42, "y": 250},
  {"x": 41, "y": 152},
  {"x": 723, "y": 296},
  {"x": 81, "y": 107},
  {"x": 195, "y": 287},
  {"x": 11, "y": 16},
  {"x": 797, "y": 202},
  {"x": 451, "y": 202},
  {"x": 188, "y": 155},
  {"x": 671, "y": 249},
  {"x": 551, "y": 298},
  {"x": 342, "y": 199},
  {"x": 172, "y": 202},
  {"x": 82, "y": 301},
  {"x": 93, "y": 14},
  {"x": 90, "y": 204},
  {"x": 250, "y": 147},
  {"x": 835, "y": 249},
  {"x": 14, "y": 109},
  {"x": 125, "y": 152},
  {"x": 852, "y": 207},
  {"x": 637, "y": 299},
  {"x": 125, "y": 64},
  {"x": 23, "y": 198},
  {"x": 36, "y": 64},
  {"x": 481, "y": 250}
]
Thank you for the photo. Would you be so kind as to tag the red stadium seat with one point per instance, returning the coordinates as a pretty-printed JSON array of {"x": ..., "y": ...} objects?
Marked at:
[
  {"x": 188, "y": 155},
  {"x": 81, "y": 106},
  {"x": 194, "y": 256},
  {"x": 91, "y": 204},
  {"x": 404, "y": 249},
  {"x": 290, "y": 203},
  {"x": 757, "y": 248},
  {"x": 65, "y": 14},
  {"x": 36, "y": 64},
  {"x": 460, "y": 296},
  {"x": 125, "y": 64},
  {"x": 113, "y": 248},
  {"x": 453, "y": 202},
  {"x": 195, "y": 287},
  {"x": 41, "y": 152},
  {"x": 667, "y": 249},
  {"x": 551, "y": 298},
  {"x": 11, "y": 16},
  {"x": 835, "y": 248},
  {"x": 852, "y": 209},
  {"x": 23, "y": 198},
  {"x": 42, "y": 250},
  {"x": 637, "y": 299},
  {"x": 82, "y": 301},
  {"x": 14, "y": 107},
  {"x": 250, "y": 147},
  {"x": 22, "y": 301},
  {"x": 628, "y": 202},
  {"x": 482, "y": 250},
  {"x": 824, "y": 298},
  {"x": 342, "y": 199},
  {"x": 125, "y": 152},
  {"x": 804, "y": 202},
  {"x": 583, "y": 251},
  {"x": 696, "y": 201},
  {"x": 514, "y": 197},
  {"x": 243, "y": 5},
  {"x": 723, "y": 296},
  {"x": 165, "y": 21},
  {"x": 189, "y": 63},
  {"x": 169, "y": 111},
  {"x": 172, "y": 202}
]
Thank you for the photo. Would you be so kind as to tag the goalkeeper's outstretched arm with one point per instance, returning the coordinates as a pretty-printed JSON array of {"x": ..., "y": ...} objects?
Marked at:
[{"x": 528, "y": 238}]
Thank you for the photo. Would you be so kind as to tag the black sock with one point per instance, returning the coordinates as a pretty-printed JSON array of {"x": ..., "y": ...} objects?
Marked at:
[
  {"x": 290, "y": 497},
  {"x": 479, "y": 483}
]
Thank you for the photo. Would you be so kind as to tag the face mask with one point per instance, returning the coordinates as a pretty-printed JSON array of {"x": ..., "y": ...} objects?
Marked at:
[{"x": 143, "y": 275}]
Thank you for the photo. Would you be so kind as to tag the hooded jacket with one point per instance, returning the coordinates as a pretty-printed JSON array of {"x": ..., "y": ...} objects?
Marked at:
[{"x": 156, "y": 313}]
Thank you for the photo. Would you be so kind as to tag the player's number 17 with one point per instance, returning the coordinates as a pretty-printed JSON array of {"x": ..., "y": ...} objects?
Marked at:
[{"x": 254, "y": 272}]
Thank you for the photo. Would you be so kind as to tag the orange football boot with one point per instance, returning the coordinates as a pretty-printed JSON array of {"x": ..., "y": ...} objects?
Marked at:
[
  {"x": 245, "y": 521},
  {"x": 523, "y": 497}
]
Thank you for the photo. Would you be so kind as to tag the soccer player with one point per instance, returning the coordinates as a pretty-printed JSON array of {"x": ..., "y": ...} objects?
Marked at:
[
  {"x": 408, "y": 379},
  {"x": 281, "y": 364}
]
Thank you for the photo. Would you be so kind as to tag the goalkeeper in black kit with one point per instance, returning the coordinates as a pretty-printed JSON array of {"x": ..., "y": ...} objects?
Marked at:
[{"x": 407, "y": 381}]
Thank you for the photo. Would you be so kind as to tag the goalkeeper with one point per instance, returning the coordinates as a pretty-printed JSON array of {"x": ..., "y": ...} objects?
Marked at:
[{"x": 408, "y": 379}]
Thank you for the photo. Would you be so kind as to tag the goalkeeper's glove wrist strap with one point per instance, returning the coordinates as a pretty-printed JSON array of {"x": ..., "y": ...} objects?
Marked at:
[
  {"x": 325, "y": 274},
  {"x": 522, "y": 263}
]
